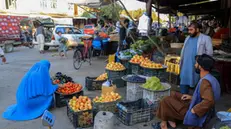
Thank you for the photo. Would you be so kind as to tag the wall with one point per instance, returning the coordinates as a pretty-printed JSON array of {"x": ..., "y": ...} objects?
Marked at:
[
  {"x": 40, "y": 6},
  {"x": 2, "y": 5}
]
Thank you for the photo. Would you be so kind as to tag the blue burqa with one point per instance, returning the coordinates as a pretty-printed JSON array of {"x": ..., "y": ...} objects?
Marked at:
[{"x": 34, "y": 94}]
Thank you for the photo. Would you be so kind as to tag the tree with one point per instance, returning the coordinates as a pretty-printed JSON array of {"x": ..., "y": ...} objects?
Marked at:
[
  {"x": 86, "y": 14},
  {"x": 137, "y": 13},
  {"x": 111, "y": 11}
]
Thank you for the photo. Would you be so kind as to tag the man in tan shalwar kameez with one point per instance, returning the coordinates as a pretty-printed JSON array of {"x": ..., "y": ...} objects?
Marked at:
[{"x": 182, "y": 107}]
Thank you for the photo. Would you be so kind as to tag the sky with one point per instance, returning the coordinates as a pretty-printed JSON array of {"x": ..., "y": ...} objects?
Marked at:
[{"x": 133, "y": 4}]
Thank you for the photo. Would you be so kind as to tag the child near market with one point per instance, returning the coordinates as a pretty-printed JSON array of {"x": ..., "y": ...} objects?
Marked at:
[
  {"x": 63, "y": 45},
  {"x": 2, "y": 56}
]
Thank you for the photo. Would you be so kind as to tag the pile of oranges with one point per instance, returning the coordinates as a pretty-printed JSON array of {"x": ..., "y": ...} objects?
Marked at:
[
  {"x": 108, "y": 97},
  {"x": 82, "y": 103},
  {"x": 70, "y": 88},
  {"x": 115, "y": 66},
  {"x": 137, "y": 59}
]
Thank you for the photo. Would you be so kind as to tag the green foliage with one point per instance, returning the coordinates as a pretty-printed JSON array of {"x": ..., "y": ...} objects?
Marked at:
[
  {"x": 111, "y": 11},
  {"x": 225, "y": 127},
  {"x": 146, "y": 45},
  {"x": 86, "y": 14}
]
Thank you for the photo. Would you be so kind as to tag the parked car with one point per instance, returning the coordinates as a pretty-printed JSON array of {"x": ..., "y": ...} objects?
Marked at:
[
  {"x": 70, "y": 32},
  {"x": 89, "y": 29}
]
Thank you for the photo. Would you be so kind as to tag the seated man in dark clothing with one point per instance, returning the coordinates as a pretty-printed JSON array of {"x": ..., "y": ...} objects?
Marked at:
[{"x": 193, "y": 110}]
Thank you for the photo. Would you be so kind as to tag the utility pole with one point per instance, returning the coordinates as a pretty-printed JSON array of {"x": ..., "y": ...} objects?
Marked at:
[{"x": 149, "y": 12}]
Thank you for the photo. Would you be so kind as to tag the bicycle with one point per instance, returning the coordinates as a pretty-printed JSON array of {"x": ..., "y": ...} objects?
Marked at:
[{"x": 83, "y": 53}]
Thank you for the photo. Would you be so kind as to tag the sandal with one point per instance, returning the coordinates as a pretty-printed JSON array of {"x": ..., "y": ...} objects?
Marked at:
[{"x": 169, "y": 126}]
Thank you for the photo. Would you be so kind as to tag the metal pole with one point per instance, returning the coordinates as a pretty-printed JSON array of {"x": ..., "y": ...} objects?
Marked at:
[{"x": 158, "y": 6}]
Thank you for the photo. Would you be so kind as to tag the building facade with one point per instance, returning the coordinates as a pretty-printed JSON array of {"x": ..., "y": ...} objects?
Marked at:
[{"x": 37, "y": 6}]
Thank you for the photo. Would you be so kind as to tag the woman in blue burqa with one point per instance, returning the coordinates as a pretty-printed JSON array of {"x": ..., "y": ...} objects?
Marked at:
[{"x": 34, "y": 94}]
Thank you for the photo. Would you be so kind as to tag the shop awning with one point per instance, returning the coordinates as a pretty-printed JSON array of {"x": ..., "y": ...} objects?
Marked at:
[
  {"x": 187, "y": 6},
  {"x": 174, "y": 3}
]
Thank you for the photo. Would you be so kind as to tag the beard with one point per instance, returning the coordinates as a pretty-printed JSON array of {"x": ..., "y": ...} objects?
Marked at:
[{"x": 194, "y": 34}]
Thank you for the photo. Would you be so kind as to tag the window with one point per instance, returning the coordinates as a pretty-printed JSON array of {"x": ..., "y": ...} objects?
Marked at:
[
  {"x": 53, "y": 4},
  {"x": 77, "y": 31},
  {"x": 10, "y": 4},
  {"x": 70, "y": 6},
  {"x": 65, "y": 30},
  {"x": 43, "y": 4}
]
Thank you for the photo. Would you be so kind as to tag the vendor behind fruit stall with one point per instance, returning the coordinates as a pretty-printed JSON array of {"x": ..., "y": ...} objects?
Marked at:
[
  {"x": 123, "y": 35},
  {"x": 34, "y": 94},
  {"x": 110, "y": 28}
]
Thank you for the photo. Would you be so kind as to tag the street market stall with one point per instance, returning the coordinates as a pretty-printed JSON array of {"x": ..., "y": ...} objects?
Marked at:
[
  {"x": 218, "y": 9},
  {"x": 146, "y": 77}
]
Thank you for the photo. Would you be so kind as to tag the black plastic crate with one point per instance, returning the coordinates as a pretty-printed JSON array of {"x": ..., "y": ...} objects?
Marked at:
[
  {"x": 109, "y": 106},
  {"x": 92, "y": 84},
  {"x": 115, "y": 74},
  {"x": 119, "y": 83},
  {"x": 61, "y": 100},
  {"x": 130, "y": 113},
  {"x": 126, "y": 64},
  {"x": 174, "y": 78},
  {"x": 81, "y": 119},
  {"x": 136, "y": 69},
  {"x": 154, "y": 72}
]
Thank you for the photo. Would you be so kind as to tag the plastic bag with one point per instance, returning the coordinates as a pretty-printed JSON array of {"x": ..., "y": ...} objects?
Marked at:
[
  {"x": 224, "y": 116},
  {"x": 107, "y": 83},
  {"x": 218, "y": 124}
]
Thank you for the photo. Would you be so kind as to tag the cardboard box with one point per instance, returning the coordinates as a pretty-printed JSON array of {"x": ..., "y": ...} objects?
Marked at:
[{"x": 106, "y": 89}]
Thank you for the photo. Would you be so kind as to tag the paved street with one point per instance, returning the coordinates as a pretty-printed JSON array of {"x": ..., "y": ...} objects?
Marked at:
[
  {"x": 20, "y": 61},
  {"x": 23, "y": 58}
]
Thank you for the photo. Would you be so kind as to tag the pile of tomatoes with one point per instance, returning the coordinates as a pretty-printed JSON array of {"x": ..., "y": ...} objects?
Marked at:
[{"x": 70, "y": 88}]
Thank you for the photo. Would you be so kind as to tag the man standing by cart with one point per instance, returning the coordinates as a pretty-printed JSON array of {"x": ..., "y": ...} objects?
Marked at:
[
  {"x": 40, "y": 33},
  {"x": 195, "y": 44}
]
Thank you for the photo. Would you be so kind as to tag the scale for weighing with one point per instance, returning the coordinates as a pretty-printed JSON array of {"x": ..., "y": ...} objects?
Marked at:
[{"x": 48, "y": 119}]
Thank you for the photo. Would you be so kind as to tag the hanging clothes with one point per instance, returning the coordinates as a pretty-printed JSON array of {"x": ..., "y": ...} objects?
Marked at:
[
  {"x": 34, "y": 94},
  {"x": 143, "y": 26}
]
